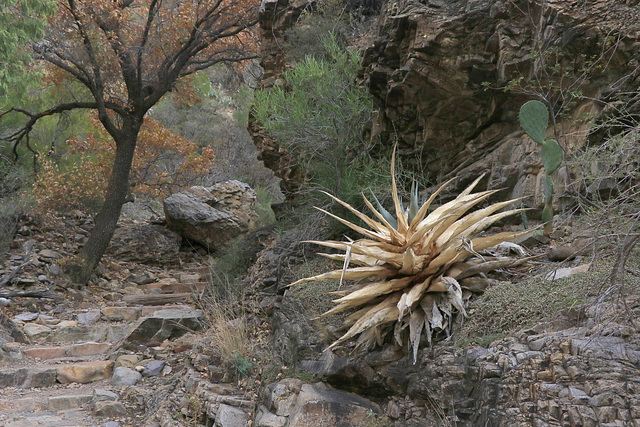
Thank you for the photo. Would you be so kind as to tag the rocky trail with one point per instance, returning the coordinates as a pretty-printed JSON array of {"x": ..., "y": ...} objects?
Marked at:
[{"x": 108, "y": 354}]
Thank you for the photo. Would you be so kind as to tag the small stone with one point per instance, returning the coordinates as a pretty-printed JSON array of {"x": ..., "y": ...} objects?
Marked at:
[
  {"x": 153, "y": 368},
  {"x": 43, "y": 278},
  {"x": 144, "y": 279},
  {"x": 118, "y": 314},
  {"x": 84, "y": 373},
  {"x": 33, "y": 330},
  {"x": 62, "y": 403},
  {"x": 578, "y": 396},
  {"x": 561, "y": 253},
  {"x": 269, "y": 419},
  {"x": 123, "y": 377},
  {"x": 4, "y": 302},
  {"x": 228, "y": 416},
  {"x": 91, "y": 317},
  {"x": 111, "y": 424},
  {"x": 67, "y": 324},
  {"x": 100, "y": 395},
  {"x": 48, "y": 255},
  {"x": 561, "y": 273},
  {"x": 109, "y": 409},
  {"x": 127, "y": 361},
  {"x": 55, "y": 270},
  {"x": 26, "y": 317},
  {"x": 189, "y": 279}
]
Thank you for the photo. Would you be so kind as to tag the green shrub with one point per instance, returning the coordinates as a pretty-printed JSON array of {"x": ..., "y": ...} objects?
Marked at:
[{"x": 320, "y": 117}]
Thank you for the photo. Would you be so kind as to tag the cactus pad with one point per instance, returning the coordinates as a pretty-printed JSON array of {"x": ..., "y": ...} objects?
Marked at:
[
  {"x": 552, "y": 155},
  {"x": 534, "y": 119}
]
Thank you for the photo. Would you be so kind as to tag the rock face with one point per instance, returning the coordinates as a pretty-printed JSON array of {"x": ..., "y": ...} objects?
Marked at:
[
  {"x": 290, "y": 402},
  {"x": 147, "y": 244},
  {"x": 212, "y": 216},
  {"x": 438, "y": 72}
]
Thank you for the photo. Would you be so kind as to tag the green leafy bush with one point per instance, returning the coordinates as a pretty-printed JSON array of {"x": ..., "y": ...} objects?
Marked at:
[{"x": 319, "y": 116}]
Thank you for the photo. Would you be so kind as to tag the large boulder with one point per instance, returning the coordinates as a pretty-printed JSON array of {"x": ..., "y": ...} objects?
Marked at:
[
  {"x": 146, "y": 244},
  {"x": 314, "y": 405},
  {"x": 212, "y": 216}
]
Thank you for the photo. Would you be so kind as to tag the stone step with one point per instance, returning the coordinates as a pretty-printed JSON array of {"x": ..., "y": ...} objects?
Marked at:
[
  {"x": 105, "y": 326},
  {"x": 72, "y": 418},
  {"x": 99, "y": 332},
  {"x": 176, "y": 288},
  {"x": 58, "y": 353},
  {"x": 50, "y": 375},
  {"x": 80, "y": 406}
]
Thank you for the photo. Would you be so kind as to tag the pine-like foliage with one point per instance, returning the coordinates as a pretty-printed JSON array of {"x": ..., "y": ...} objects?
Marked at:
[{"x": 408, "y": 267}]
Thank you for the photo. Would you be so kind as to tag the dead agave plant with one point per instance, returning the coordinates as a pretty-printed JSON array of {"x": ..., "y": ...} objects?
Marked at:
[{"x": 411, "y": 269}]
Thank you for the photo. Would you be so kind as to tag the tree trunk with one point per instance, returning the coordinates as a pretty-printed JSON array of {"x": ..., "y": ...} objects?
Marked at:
[{"x": 107, "y": 219}]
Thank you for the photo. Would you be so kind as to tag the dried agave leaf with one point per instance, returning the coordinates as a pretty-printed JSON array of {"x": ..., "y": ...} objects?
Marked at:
[
  {"x": 380, "y": 228},
  {"x": 416, "y": 292},
  {"x": 419, "y": 235},
  {"x": 375, "y": 290},
  {"x": 486, "y": 222},
  {"x": 412, "y": 263},
  {"x": 384, "y": 312},
  {"x": 402, "y": 221},
  {"x": 459, "y": 205},
  {"x": 373, "y": 235},
  {"x": 396, "y": 238},
  {"x": 455, "y": 212},
  {"x": 356, "y": 259},
  {"x": 423, "y": 209},
  {"x": 473, "y": 218},
  {"x": 351, "y": 274},
  {"x": 455, "y": 294},
  {"x": 470, "y": 188},
  {"x": 416, "y": 323},
  {"x": 437, "y": 320},
  {"x": 461, "y": 268},
  {"x": 402, "y": 306}
]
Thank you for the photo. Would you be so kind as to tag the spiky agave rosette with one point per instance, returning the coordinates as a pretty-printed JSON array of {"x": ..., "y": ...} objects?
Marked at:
[{"x": 409, "y": 267}]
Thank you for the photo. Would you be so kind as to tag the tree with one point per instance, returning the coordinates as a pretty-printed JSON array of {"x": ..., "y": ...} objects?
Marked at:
[
  {"x": 164, "y": 162},
  {"x": 126, "y": 55}
]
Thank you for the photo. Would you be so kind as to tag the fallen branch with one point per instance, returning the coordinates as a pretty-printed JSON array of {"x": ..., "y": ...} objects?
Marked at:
[{"x": 37, "y": 293}]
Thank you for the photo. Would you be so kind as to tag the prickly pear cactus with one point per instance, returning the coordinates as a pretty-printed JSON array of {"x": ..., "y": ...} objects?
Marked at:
[
  {"x": 552, "y": 155},
  {"x": 534, "y": 119}
]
